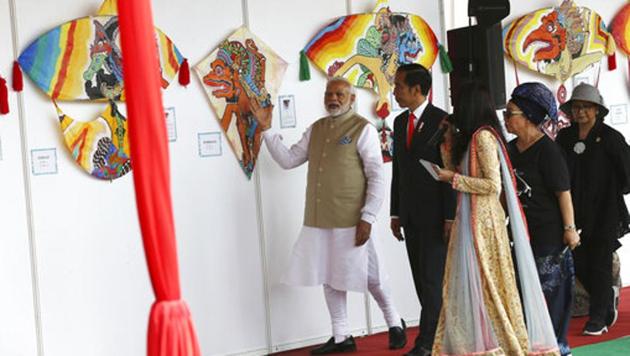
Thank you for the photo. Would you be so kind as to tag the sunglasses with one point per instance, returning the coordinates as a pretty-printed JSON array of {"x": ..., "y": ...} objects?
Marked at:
[{"x": 508, "y": 114}]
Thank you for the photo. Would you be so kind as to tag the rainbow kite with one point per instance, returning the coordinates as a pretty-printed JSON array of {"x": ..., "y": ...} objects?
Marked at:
[
  {"x": 558, "y": 41},
  {"x": 81, "y": 60},
  {"x": 367, "y": 49},
  {"x": 101, "y": 146}
]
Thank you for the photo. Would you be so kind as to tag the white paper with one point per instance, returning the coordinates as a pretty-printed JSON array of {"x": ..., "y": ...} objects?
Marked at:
[
  {"x": 286, "y": 105},
  {"x": 171, "y": 124},
  {"x": 209, "y": 144},
  {"x": 578, "y": 79},
  {"x": 431, "y": 167},
  {"x": 619, "y": 114},
  {"x": 0, "y": 148},
  {"x": 44, "y": 161}
]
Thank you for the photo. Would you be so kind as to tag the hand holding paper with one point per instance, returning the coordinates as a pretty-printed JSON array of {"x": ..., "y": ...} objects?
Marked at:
[{"x": 431, "y": 167}]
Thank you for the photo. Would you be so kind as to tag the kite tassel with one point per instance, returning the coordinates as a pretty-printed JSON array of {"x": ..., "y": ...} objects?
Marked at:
[
  {"x": 184, "y": 73},
  {"x": 18, "y": 82},
  {"x": 4, "y": 97},
  {"x": 305, "y": 71},
  {"x": 612, "y": 62},
  {"x": 445, "y": 61}
]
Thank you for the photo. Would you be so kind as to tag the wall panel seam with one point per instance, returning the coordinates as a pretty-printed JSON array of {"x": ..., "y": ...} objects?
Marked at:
[
  {"x": 262, "y": 241},
  {"x": 27, "y": 193}
]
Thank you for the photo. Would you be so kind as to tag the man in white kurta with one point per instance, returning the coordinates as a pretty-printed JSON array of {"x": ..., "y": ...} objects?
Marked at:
[{"x": 345, "y": 190}]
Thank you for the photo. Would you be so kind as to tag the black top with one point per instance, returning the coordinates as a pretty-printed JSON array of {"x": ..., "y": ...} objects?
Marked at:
[
  {"x": 600, "y": 175},
  {"x": 541, "y": 171},
  {"x": 415, "y": 195}
]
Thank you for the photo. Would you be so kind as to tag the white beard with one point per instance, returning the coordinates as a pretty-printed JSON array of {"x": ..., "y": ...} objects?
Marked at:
[{"x": 339, "y": 111}]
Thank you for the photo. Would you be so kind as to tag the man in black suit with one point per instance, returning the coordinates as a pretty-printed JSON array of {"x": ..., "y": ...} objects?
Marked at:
[{"x": 423, "y": 207}]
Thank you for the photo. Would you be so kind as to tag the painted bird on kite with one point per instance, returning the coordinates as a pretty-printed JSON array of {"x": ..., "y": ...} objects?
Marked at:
[{"x": 558, "y": 41}]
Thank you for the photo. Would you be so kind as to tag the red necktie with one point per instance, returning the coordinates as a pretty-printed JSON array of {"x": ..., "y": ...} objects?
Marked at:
[{"x": 410, "y": 129}]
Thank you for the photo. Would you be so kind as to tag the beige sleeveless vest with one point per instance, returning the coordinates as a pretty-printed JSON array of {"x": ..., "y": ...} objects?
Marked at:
[{"x": 335, "y": 191}]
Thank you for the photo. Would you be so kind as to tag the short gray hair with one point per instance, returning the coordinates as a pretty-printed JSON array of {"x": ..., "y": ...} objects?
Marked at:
[{"x": 339, "y": 79}]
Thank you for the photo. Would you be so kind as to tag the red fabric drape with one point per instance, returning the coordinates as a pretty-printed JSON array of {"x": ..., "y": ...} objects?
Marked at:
[{"x": 171, "y": 331}]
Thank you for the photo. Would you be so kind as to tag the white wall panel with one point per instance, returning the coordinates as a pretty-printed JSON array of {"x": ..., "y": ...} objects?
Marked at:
[
  {"x": 215, "y": 205},
  {"x": 17, "y": 313}
]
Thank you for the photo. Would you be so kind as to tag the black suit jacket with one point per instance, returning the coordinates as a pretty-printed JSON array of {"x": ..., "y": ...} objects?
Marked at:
[{"x": 415, "y": 195}]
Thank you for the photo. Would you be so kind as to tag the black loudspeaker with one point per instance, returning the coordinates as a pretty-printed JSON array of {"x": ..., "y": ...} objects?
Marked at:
[
  {"x": 488, "y": 12},
  {"x": 477, "y": 53}
]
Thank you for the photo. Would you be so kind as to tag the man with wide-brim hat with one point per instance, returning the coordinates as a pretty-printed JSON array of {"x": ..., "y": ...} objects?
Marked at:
[{"x": 599, "y": 164}]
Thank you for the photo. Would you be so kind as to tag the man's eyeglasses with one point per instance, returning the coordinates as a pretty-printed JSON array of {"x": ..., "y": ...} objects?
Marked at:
[{"x": 508, "y": 114}]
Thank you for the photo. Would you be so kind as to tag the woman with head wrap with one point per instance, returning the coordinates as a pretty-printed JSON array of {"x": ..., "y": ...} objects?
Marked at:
[
  {"x": 599, "y": 164},
  {"x": 543, "y": 185},
  {"x": 483, "y": 312}
]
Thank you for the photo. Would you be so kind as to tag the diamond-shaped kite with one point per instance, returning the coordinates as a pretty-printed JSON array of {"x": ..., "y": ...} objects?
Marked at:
[{"x": 240, "y": 71}]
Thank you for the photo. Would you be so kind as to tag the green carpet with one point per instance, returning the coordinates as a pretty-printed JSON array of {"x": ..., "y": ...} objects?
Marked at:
[{"x": 617, "y": 347}]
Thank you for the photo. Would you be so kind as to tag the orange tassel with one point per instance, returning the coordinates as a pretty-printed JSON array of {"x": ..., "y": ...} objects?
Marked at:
[
  {"x": 4, "y": 97},
  {"x": 184, "y": 73},
  {"x": 18, "y": 82}
]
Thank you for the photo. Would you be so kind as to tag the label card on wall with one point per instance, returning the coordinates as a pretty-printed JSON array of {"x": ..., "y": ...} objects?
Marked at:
[
  {"x": 0, "y": 148},
  {"x": 286, "y": 103},
  {"x": 44, "y": 161},
  {"x": 171, "y": 124},
  {"x": 209, "y": 144},
  {"x": 579, "y": 79},
  {"x": 619, "y": 114}
]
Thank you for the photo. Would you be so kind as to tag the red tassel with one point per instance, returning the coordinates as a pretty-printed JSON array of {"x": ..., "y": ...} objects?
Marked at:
[
  {"x": 184, "y": 73},
  {"x": 18, "y": 82},
  {"x": 4, "y": 97},
  {"x": 612, "y": 62}
]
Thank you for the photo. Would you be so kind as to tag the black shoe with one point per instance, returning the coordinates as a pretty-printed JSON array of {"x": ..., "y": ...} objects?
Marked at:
[
  {"x": 348, "y": 345},
  {"x": 398, "y": 336},
  {"x": 418, "y": 351},
  {"x": 613, "y": 313},
  {"x": 594, "y": 328}
]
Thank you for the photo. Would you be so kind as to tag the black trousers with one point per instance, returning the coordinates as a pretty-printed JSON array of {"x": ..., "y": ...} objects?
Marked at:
[
  {"x": 593, "y": 267},
  {"x": 427, "y": 256}
]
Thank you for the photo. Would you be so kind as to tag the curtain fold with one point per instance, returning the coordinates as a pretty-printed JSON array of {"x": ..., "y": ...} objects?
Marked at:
[{"x": 171, "y": 331}]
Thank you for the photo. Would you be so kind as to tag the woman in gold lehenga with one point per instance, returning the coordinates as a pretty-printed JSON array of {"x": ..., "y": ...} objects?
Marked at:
[{"x": 482, "y": 311}]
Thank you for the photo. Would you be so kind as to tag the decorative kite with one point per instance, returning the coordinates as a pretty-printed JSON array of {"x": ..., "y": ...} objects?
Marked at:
[
  {"x": 100, "y": 146},
  {"x": 367, "y": 49},
  {"x": 241, "y": 71},
  {"x": 558, "y": 41},
  {"x": 620, "y": 28},
  {"x": 82, "y": 60}
]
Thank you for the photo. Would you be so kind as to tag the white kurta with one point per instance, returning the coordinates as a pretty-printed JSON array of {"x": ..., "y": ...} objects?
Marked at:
[{"x": 329, "y": 256}]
